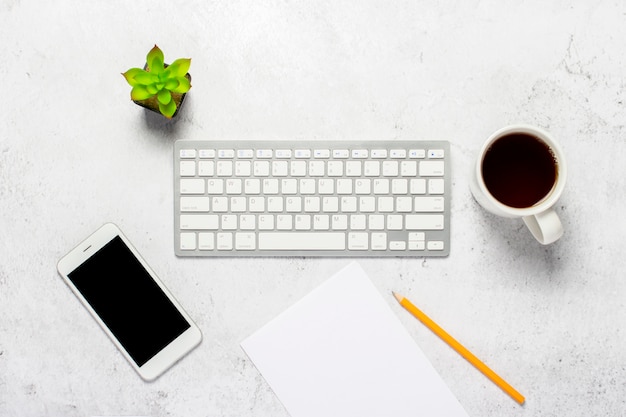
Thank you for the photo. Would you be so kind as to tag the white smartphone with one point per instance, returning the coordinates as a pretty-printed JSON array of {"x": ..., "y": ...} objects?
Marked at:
[{"x": 129, "y": 302}]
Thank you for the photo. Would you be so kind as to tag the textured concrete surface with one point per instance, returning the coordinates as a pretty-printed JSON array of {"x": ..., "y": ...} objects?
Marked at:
[{"x": 75, "y": 153}]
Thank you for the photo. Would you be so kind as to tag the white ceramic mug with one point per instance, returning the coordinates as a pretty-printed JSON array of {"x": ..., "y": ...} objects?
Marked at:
[{"x": 540, "y": 218}]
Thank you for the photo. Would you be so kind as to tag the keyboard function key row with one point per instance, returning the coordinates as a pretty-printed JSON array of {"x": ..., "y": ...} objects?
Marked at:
[{"x": 316, "y": 153}]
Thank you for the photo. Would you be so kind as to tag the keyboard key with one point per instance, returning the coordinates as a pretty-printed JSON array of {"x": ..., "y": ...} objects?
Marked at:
[
  {"x": 224, "y": 169},
  {"x": 381, "y": 186},
  {"x": 390, "y": 168},
  {"x": 397, "y": 245},
  {"x": 367, "y": 204},
  {"x": 187, "y": 153},
  {"x": 436, "y": 153},
  {"x": 233, "y": 186},
  {"x": 261, "y": 168},
  {"x": 394, "y": 222},
  {"x": 371, "y": 169},
  {"x": 302, "y": 222},
  {"x": 417, "y": 186},
  {"x": 424, "y": 222},
  {"x": 307, "y": 186},
  {"x": 399, "y": 186},
  {"x": 312, "y": 204},
  {"x": 417, "y": 245},
  {"x": 194, "y": 203},
  {"x": 436, "y": 186},
  {"x": 245, "y": 241},
  {"x": 206, "y": 168},
  {"x": 360, "y": 153},
  {"x": 357, "y": 222},
  {"x": 341, "y": 153},
  {"x": 431, "y": 169},
  {"x": 187, "y": 241},
  {"x": 417, "y": 153},
  {"x": 321, "y": 153},
  {"x": 206, "y": 153},
  {"x": 242, "y": 168},
  {"x": 245, "y": 153},
  {"x": 226, "y": 153},
  {"x": 187, "y": 168},
  {"x": 358, "y": 241},
  {"x": 376, "y": 221},
  {"x": 298, "y": 168},
  {"x": 324, "y": 186},
  {"x": 206, "y": 241},
  {"x": 229, "y": 222},
  {"x": 280, "y": 168},
  {"x": 270, "y": 186},
  {"x": 283, "y": 153},
  {"x": 247, "y": 222},
  {"x": 404, "y": 204},
  {"x": 426, "y": 204},
  {"x": 397, "y": 153},
  {"x": 224, "y": 241},
  {"x": 353, "y": 168},
  {"x": 339, "y": 222},
  {"x": 302, "y": 153},
  {"x": 192, "y": 186},
  {"x": 408, "y": 168},
  {"x": 266, "y": 222},
  {"x": 334, "y": 169},
  {"x": 220, "y": 204},
  {"x": 363, "y": 186},
  {"x": 344, "y": 186},
  {"x": 199, "y": 222},
  {"x": 284, "y": 222},
  {"x": 302, "y": 241},
  {"x": 215, "y": 186},
  {"x": 379, "y": 241},
  {"x": 264, "y": 153},
  {"x": 289, "y": 186},
  {"x": 321, "y": 222},
  {"x": 252, "y": 186},
  {"x": 435, "y": 245},
  {"x": 316, "y": 168}
]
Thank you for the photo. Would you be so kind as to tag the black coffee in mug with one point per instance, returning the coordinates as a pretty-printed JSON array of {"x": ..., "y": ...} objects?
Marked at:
[{"x": 519, "y": 170}]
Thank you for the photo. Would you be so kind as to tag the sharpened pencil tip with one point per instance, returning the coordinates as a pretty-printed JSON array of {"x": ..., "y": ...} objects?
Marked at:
[{"x": 398, "y": 296}]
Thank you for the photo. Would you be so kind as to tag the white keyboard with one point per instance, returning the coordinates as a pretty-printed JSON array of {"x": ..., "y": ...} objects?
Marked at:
[{"x": 297, "y": 198}]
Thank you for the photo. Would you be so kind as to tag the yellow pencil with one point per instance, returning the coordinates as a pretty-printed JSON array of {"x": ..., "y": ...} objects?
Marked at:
[{"x": 460, "y": 349}]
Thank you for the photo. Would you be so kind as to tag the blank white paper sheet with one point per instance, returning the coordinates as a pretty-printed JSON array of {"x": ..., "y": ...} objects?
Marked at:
[{"x": 341, "y": 351}]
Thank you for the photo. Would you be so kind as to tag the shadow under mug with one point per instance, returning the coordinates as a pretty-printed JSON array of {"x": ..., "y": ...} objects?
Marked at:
[{"x": 540, "y": 217}]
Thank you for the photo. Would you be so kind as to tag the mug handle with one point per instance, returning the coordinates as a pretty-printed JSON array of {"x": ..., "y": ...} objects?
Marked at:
[{"x": 546, "y": 226}]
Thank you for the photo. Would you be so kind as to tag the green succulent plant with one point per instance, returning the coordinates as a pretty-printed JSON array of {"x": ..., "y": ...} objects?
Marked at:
[{"x": 159, "y": 80}]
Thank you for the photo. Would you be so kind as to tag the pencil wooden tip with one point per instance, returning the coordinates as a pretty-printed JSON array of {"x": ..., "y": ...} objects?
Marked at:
[{"x": 398, "y": 296}]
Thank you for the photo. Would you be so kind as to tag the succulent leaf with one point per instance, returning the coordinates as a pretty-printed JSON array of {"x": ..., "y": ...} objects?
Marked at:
[
  {"x": 143, "y": 78},
  {"x": 139, "y": 92},
  {"x": 152, "y": 89},
  {"x": 164, "y": 96},
  {"x": 183, "y": 85},
  {"x": 130, "y": 76},
  {"x": 168, "y": 109},
  {"x": 180, "y": 67},
  {"x": 155, "y": 60},
  {"x": 171, "y": 84}
]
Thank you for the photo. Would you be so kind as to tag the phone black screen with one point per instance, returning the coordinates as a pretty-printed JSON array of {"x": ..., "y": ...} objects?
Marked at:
[{"x": 128, "y": 301}]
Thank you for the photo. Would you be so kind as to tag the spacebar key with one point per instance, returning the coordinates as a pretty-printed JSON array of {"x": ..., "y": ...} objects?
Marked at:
[{"x": 302, "y": 241}]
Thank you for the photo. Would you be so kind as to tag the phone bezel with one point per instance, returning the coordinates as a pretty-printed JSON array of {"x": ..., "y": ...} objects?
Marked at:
[{"x": 169, "y": 355}]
